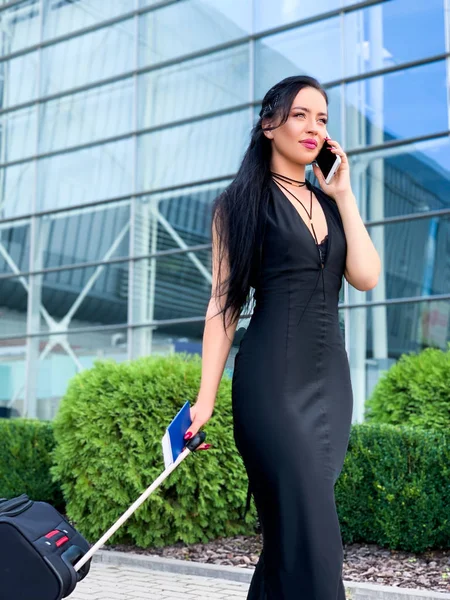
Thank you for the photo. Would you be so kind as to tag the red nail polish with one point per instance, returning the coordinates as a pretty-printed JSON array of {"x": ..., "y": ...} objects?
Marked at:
[
  {"x": 188, "y": 435},
  {"x": 206, "y": 447}
]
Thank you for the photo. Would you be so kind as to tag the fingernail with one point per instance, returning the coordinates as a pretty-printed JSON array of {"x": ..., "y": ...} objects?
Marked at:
[
  {"x": 206, "y": 447},
  {"x": 188, "y": 435}
]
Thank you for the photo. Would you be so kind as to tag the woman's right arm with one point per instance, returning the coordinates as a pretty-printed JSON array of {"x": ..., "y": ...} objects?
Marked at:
[{"x": 217, "y": 342}]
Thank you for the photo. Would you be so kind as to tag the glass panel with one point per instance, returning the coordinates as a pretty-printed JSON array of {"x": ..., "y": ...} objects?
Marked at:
[
  {"x": 55, "y": 365},
  {"x": 404, "y": 104},
  {"x": 17, "y": 184},
  {"x": 85, "y": 297},
  {"x": 103, "y": 53},
  {"x": 15, "y": 247},
  {"x": 19, "y": 26},
  {"x": 176, "y": 286},
  {"x": 12, "y": 373},
  {"x": 188, "y": 89},
  {"x": 86, "y": 175},
  {"x": 269, "y": 14},
  {"x": 81, "y": 118},
  {"x": 415, "y": 258},
  {"x": 185, "y": 27},
  {"x": 64, "y": 17},
  {"x": 301, "y": 51},
  {"x": 380, "y": 36},
  {"x": 13, "y": 310},
  {"x": 167, "y": 339},
  {"x": 192, "y": 152},
  {"x": 18, "y": 134},
  {"x": 380, "y": 335},
  {"x": 402, "y": 180},
  {"x": 184, "y": 214},
  {"x": 19, "y": 80},
  {"x": 86, "y": 235}
]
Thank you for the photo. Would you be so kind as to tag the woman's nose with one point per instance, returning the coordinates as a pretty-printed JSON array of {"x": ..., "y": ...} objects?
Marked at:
[{"x": 312, "y": 128}]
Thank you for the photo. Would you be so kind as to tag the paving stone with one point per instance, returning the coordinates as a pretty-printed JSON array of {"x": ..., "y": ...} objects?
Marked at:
[{"x": 108, "y": 582}]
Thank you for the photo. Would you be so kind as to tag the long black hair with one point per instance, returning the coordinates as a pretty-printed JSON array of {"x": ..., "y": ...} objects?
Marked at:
[{"x": 239, "y": 211}]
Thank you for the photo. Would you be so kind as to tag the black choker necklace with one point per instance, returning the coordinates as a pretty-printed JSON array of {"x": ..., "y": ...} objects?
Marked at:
[{"x": 289, "y": 180}]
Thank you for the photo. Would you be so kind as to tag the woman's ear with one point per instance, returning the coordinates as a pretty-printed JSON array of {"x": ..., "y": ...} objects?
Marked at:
[{"x": 264, "y": 124}]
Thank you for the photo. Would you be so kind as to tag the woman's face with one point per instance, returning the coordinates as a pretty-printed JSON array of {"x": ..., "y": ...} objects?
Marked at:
[{"x": 299, "y": 139}]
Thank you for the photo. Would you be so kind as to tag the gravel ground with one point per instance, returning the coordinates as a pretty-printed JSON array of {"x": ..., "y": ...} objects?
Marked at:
[{"x": 362, "y": 562}]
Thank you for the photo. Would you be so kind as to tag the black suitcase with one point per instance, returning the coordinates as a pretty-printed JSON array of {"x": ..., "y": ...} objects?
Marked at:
[
  {"x": 38, "y": 550},
  {"x": 42, "y": 557}
]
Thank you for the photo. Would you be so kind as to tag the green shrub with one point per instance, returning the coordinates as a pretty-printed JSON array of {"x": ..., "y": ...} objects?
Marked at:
[
  {"x": 25, "y": 460},
  {"x": 415, "y": 391},
  {"x": 108, "y": 432},
  {"x": 394, "y": 489}
]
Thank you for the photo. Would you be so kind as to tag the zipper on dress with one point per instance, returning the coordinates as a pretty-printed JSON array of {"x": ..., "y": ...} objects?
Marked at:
[{"x": 321, "y": 257}]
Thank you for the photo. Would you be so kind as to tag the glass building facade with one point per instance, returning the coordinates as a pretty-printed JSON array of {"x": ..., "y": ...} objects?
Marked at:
[{"x": 122, "y": 120}]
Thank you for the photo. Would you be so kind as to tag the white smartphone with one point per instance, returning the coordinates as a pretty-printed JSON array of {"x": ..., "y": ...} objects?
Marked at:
[{"x": 327, "y": 162}]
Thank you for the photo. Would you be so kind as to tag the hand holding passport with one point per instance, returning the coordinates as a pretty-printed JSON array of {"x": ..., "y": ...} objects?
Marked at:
[{"x": 174, "y": 438}]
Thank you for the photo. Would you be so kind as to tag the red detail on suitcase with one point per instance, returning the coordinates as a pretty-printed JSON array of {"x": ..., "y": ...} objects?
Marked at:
[
  {"x": 50, "y": 534},
  {"x": 62, "y": 541}
]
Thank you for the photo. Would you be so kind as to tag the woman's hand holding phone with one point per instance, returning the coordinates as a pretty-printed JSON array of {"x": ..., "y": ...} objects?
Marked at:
[{"x": 339, "y": 185}]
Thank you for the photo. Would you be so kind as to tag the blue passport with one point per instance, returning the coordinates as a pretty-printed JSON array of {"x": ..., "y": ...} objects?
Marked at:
[{"x": 173, "y": 441}]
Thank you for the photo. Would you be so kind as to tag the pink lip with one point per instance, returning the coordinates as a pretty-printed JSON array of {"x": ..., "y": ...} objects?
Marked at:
[{"x": 311, "y": 144}]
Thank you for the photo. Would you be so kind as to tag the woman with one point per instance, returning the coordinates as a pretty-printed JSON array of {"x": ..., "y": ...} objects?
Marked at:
[{"x": 291, "y": 396}]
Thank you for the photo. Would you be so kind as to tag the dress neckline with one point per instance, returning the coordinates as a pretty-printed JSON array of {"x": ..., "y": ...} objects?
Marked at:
[{"x": 310, "y": 188}]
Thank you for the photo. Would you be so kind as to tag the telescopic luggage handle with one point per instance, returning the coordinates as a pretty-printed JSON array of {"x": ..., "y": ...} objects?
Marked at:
[{"x": 191, "y": 446}]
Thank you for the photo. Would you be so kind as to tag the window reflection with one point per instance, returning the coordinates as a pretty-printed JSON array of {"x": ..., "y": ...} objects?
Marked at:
[
  {"x": 403, "y": 180},
  {"x": 303, "y": 51},
  {"x": 80, "y": 118},
  {"x": 64, "y": 17},
  {"x": 18, "y": 134},
  {"x": 415, "y": 257},
  {"x": 193, "y": 152},
  {"x": 94, "y": 56},
  {"x": 190, "y": 88},
  {"x": 19, "y": 26},
  {"x": 185, "y": 27},
  {"x": 380, "y": 36},
  {"x": 186, "y": 211},
  {"x": 403, "y": 104},
  {"x": 17, "y": 189},
  {"x": 100, "y": 172},
  {"x": 269, "y": 14},
  {"x": 13, "y": 305},
  {"x": 15, "y": 240},
  {"x": 19, "y": 77},
  {"x": 83, "y": 235}
]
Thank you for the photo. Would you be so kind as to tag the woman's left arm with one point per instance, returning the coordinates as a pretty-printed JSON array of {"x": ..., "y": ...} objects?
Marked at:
[{"x": 363, "y": 264}]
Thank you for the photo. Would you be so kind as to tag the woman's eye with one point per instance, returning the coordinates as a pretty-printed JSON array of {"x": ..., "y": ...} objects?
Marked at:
[
  {"x": 324, "y": 121},
  {"x": 299, "y": 115}
]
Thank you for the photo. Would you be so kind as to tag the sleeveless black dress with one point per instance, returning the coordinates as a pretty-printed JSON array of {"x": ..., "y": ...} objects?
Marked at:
[{"x": 292, "y": 405}]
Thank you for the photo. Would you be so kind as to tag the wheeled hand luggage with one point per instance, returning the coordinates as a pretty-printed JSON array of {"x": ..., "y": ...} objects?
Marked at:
[{"x": 42, "y": 557}]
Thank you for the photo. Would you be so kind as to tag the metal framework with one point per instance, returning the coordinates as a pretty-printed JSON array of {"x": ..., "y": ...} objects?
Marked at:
[{"x": 145, "y": 216}]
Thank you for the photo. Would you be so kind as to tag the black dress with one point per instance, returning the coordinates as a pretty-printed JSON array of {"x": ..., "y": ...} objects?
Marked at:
[{"x": 292, "y": 405}]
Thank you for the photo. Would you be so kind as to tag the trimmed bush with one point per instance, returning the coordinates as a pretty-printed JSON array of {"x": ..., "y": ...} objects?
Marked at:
[
  {"x": 415, "y": 391},
  {"x": 25, "y": 460},
  {"x": 394, "y": 489},
  {"x": 108, "y": 432}
]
